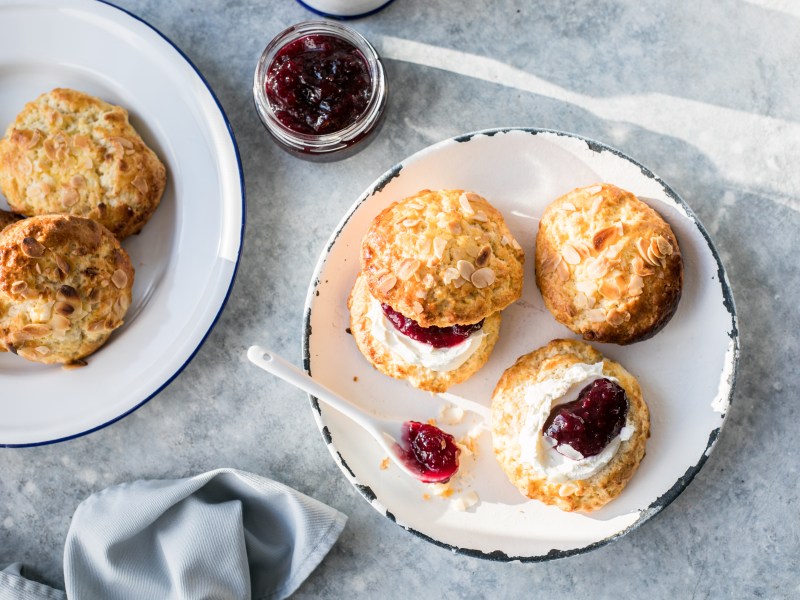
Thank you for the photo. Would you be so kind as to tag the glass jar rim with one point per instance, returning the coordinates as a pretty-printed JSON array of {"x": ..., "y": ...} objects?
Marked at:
[{"x": 336, "y": 140}]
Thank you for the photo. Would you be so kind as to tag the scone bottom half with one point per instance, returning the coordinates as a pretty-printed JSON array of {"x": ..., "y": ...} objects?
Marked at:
[
  {"x": 65, "y": 285},
  {"x": 608, "y": 265},
  {"x": 551, "y": 474},
  {"x": 68, "y": 152}
]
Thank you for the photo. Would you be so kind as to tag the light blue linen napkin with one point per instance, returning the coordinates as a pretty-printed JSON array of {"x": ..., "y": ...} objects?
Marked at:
[{"x": 225, "y": 534}]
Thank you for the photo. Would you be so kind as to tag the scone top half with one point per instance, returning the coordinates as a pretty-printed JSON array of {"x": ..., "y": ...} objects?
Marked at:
[
  {"x": 608, "y": 265},
  {"x": 442, "y": 258},
  {"x": 70, "y": 153},
  {"x": 65, "y": 285}
]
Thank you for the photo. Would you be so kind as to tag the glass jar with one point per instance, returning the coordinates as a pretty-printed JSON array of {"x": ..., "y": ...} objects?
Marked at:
[{"x": 349, "y": 117}]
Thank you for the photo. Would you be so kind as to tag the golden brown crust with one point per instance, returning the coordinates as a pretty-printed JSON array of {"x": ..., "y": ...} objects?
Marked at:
[
  {"x": 65, "y": 285},
  {"x": 508, "y": 416},
  {"x": 608, "y": 266},
  {"x": 442, "y": 258},
  {"x": 394, "y": 366},
  {"x": 71, "y": 153}
]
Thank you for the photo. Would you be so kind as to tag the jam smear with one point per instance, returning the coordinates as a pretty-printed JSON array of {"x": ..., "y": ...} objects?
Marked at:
[
  {"x": 318, "y": 84},
  {"x": 438, "y": 337},
  {"x": 589, "y": 423},
  {"x": 428, "y": 451}
]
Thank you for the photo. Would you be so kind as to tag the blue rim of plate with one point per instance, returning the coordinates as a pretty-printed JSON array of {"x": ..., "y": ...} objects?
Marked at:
[
  {"x": 657, "y": 505},
  {"x": 344, "y": 17},
  {"x": 235, "y": 267}
]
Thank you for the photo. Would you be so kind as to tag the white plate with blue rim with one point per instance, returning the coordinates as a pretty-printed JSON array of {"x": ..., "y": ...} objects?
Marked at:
[
  {"x": 186, "y": 255},
  {"x": 687, "y": 371}
]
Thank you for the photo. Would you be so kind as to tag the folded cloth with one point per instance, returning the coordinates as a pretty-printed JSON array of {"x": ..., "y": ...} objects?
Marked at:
[
  {"x": 225, "y": 534},
  {"x": 15, "y": 586}
]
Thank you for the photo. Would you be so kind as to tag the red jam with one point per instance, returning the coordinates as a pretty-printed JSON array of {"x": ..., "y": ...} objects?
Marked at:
[
  {"x": 429, "y": 452},
  {"x": 318, "y": 84},
  {"x": 589, "y": 423},
  {"x": 438, "y": 337}
]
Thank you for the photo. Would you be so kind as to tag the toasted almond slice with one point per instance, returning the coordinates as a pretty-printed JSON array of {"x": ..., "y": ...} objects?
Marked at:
[
  {"x": 418, "y": 308},
  {"x": 459, "y": 282},
  {"x": 598, "y": 267},
  {"x": 59, "y": 322},
  {"x": 484, "y": 255},
  {"x": 36, "y": 330},
  {"x": 635, "y": 286},
  {"x": 480, "y": 216},
  {"x": 598, "y": 200},
  {"x": 410, "y": 223},
  {"x": 609, "y": 290},
  {"x": 604, "y": 237},
  {"x": 439, "y": 244},
  {"x": 454, "y": 227},
  {"x": 482, "y": 278},
  {"x": 62, "y": 264},
  {"x": 24, "y": 165},
  {"x": 615, "y": 317},
  {"x": 642, "y": 248},
  {"x": 405, "y": 270},
  {"x": 587, "y": 287},
  {"x": 664, "y": 247},
  {"x": 567, "y": 206},
  {"x": 596, "y": 315},
  {"x": 32, "y": 248},
  {"x": 614, "y": 250},
  {"x": 581, "y": 301},
  {"x": 18, "y": 287},
  {"x": 465, "y": 269},
  {"x": 639, "y": 268},
  {"x": 428, "y": 281},
  {"x": 570, "y": 254},
  {"x": 140, "y": 183},
  {"x": 386, "y": 283},
  {"x": 450, "y": 274},
  {"x": 69, "y": 197},
  {"x": 562, "y": 270},
  {"x": 466, "y": 207}
]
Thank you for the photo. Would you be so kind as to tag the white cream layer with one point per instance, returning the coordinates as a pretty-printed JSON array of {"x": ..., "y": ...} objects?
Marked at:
[
  {"x": 537, "y": 450},
  {"x": 418, "y": 353}
]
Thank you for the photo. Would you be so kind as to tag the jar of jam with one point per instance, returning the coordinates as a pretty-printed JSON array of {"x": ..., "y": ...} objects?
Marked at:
[{"x": 320, "y": 90}]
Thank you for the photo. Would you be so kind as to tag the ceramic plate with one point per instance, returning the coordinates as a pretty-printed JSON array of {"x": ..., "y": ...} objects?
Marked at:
[
  {"x": 186, "y": 256},
  {"x": 686, "y": 371}
]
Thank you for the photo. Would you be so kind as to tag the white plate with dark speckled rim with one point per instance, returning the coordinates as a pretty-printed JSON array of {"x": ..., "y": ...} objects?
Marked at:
[
  {"x": 185, "y": 257},
  {"x": 686, "y": 371}
]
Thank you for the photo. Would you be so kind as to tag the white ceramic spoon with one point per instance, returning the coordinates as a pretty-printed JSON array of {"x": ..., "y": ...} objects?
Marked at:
[{"x": 388, "y": 433}]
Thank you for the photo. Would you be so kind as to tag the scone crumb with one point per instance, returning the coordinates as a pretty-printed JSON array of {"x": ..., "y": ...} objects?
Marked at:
[
  {"x": 450, "y": 414},
  {"x": 385, "y": 463},
  {"x": 442, "y": 490},
  {"x": 466, "y": 501}
]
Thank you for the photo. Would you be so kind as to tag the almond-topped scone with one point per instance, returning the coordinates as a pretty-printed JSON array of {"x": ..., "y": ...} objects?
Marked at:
[
  {"x": 442, "y": 258},
  {"x": 608, "y": 266},
  {"x": 437, "y": 269},
  {"x": 569, "y": 427},
  {"x": 65, "y": 285},
  {"x": 71, "y": 153}
]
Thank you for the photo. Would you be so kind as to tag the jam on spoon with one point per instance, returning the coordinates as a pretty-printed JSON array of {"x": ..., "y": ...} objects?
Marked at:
[
  {"x": 589, "y": 423},
  {"x": 428, "y": 452},
  {"x": 438, "y": 337}
]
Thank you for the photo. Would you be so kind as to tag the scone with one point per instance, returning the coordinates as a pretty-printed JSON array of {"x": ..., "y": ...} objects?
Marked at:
[
  {"x": 437, "y": 269},
  {"x": 608, "y": 266},
  {"x": 569, "y": 427},
  {"x": 71, "y": 153},
  {"x": 65, "y": 285}
]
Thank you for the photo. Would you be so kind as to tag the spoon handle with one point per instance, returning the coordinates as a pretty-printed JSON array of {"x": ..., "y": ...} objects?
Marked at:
[{"x": 278, "y": 366}]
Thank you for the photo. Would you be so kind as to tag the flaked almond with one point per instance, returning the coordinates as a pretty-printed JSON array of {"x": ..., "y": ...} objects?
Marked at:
[
  {"x": 639, "y": 268},
  {"x": 643, "y": 248},
  {"x": 36, "y": 330},
  {"x": 504, "y": 240},
  {"x": 609, "y": 290},
  {"x": 31, "y": 247},
  {"x": 439, "y": 244},
  {"x": 550, "y": 263},
  {"x": 18, "y": 287},
  {"x": 27, "y": 354},
  {"x": 604, "y": 237},
  {"x": 63, "y": 308},
  {"x": 515, "y": 245},
  {"x": 616, "y": 317},
  {"x": 29, "y": 293},
  {"x": 386, "y": 283},
  {"x": 567, "y": 206},
  {"x": 593, "y": 189},
  {"x": 124, "y": 142},
  {"x": 459, "y": 282},
  {"x": 664, "y": 247},
  {"x": 635, "y": 285},
  {"x": 80, "y": 141},
  {"x": 482, "y": 278},
  {"x": 120, "y": 278},
  {"x": 587, "y": 287},
  {"x": 450, "y": 274},
  {"x": 405, "y": 270},
  {"x": 480, "y": 216},
  {"x": 454, "y": 227},
  {"x": 614, "y": 249},
  {"x": 466, "y": 207},
  {"x": 75, "y": 364},
  {"x": 42, "y": 350},
  {"x": 596, "y": 315},
  {"x": 96, "y": 326},
  {"x": 140, "y": 183},
  {"x": 484, "y": 255},
  {"x": 35, "y": 138},
  {"x": 24, "y": 165},
  {"x": 410, "y": 222},
  {"x": 598, "y": 267},
  {"x": 69, "y": 197},
  {"x": 77, "y": 181},
  {"x": 62, "y": 264},
  {"x": 59, "y": 323},
  {"x": 465, "y": 269},
  {"x": 562, "y": 270},
  {"x": 596, "y": 203},
  {"x": 418, "y": 308},
  {"x": 570, "y": 254},
  {"x": 581, "y": 301}
]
